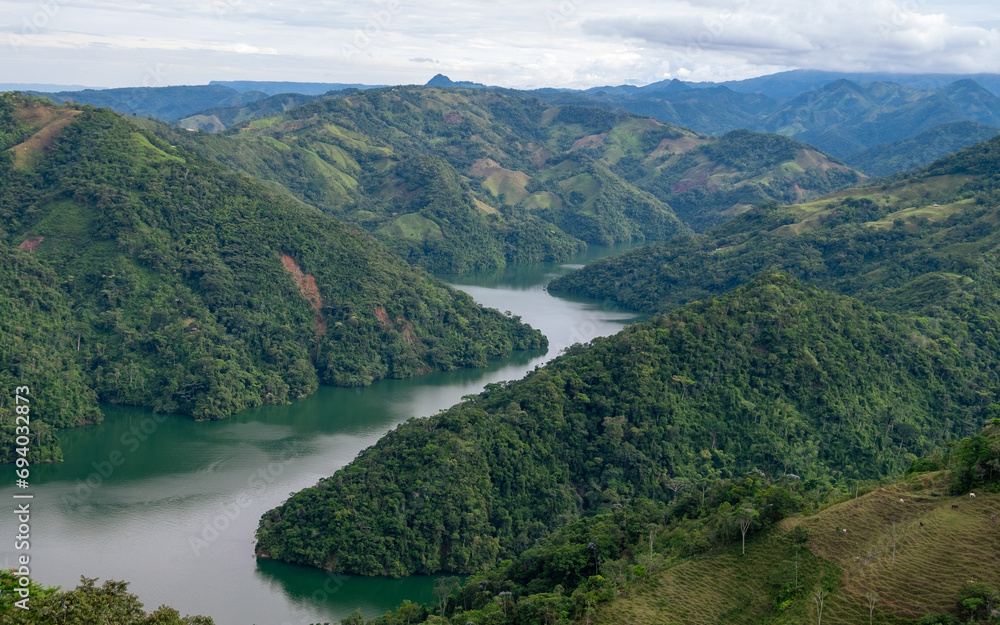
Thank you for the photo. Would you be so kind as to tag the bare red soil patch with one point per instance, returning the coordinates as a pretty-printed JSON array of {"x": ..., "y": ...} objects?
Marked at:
[
  {"x": 308, "y": 289},
  {"x": 31, "y": 244}
]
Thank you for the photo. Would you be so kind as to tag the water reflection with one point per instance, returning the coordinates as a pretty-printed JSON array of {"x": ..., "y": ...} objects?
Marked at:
[{"x": 171, "y": 505}]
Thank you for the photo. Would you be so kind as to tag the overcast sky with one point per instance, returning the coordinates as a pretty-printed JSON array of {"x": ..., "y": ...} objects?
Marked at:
[{"x": 513, "y": 43}]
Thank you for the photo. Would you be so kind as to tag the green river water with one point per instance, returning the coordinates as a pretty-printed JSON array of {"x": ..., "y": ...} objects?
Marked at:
[{"x": 171, "y": 505}]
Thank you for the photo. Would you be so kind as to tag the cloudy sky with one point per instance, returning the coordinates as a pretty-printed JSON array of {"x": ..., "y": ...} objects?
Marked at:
[{"x": 514, "y": 43}]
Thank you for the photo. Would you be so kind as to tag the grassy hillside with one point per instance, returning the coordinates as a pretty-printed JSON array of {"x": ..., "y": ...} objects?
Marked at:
[
  {"x": 879, "y": 123},
  {"x": 775, "y": 376},
  {"x": 504, "y": 178},
  {"x": 715, "y": 181},
  {"x": 924, "y": 242},
  {"x": 759, "y": 549},
  {"x": 146, "y": 275},
  {"x": 918, "y": 557}
]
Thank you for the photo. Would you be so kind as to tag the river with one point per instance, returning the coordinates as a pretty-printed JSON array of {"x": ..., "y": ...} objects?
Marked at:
[{"x": 171, "y": 505}]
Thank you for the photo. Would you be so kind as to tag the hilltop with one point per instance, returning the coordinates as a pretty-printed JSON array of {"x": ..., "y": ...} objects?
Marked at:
[
  {"x": 458, "y": 179},
  {"x": 844, "y": 115},
  {"x": 924, "y": 242},
  {"x": 148, "y": 276}
]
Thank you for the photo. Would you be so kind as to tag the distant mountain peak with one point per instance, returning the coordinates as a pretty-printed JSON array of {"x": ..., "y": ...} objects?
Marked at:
[
  {"x": 440, "y": 80},
  {"x": 968, "y": 85}
]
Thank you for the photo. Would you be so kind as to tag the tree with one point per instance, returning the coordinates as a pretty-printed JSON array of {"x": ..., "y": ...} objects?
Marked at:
[
  {"x": 443, "y": 588},
  {"x": 872, "y": 598},
  {"x": 356, "y": 618},
  {"x": 677, "y": 484},
  {"x": 796, "y": 549},
  {"x": 893, "y": 539},
  {"x": 818, "y": 598},
  {"x": 87, "y": 603},
  {"x": 652, "y": 527},
  {"x": 799, "y": 537},
  {"x": 711, "y": 475},
  {"x": 746, "y": 518}
]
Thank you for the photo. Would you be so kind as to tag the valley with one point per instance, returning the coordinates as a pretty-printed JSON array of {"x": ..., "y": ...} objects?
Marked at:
[
  {"x": 178, "y": 481},
  {"x": 681, "y": 353}
]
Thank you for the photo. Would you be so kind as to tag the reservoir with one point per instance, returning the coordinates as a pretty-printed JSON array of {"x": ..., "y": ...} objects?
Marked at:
[{"x": 171, "y": 505}]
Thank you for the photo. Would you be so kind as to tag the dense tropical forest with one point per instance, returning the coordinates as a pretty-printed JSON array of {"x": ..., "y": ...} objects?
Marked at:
[
  {"x": 774, "y": 376},
  {"x": 149, "y": 276},
  {"x": 759, "y": 549}
]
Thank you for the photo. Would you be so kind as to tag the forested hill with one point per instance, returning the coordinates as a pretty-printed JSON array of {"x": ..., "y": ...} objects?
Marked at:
[
  {"x": 921, "y": 149},
  {"x": 775, "y": 376},
  {"x": 458, "y": 179},
  {"x": 139, "y": 273},
  {"x": 926, "y": 242},
  {"x": 845, "y": 115}
]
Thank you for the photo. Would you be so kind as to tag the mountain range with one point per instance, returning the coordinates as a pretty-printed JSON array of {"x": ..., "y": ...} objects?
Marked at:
[
  {"x": 844, "y": 114},
  {"x": 459, "y": 179},
  {"x": 795, "y": 350},
  {"x": 807, "y": 414}
]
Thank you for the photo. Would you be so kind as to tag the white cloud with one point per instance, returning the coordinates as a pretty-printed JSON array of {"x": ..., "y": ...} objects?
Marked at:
[
  {"x": 517, "y": 43},
  {"x": 856, "y": 35}
]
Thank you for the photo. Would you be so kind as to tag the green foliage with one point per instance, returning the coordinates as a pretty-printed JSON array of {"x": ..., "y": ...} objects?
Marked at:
[
  {"x": 37, "y": 342},
  {"x": 979, "y": 602},
  {"x": 744, "y": 149},
  {"x": 920, "y": 149},
  {"x": 977, "y": 462},
  {"x": 925, "y": 465},
  {"x": 87, "y": 604},
  {"x": 163, "y": 280},
  {"x": 924, "y": 244},
  {"x": 775, "y": 375},
  {"x": 12, "y": 131},
  {"x": 568, "y": 574}
]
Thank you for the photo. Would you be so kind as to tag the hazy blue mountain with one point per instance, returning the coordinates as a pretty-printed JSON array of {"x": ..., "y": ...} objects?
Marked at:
[
  {"x": 34, "y": 86},
  {"x": 440, "y": 80},
  {"x": 888, "y": 158},
  {"x": 840, "y": 116},
  {"x": 792, "y": 83},
  {"x": 276, "y": 87},
  {"x": 165, "y": 103},
  {"x": 845, "y": 117}
]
